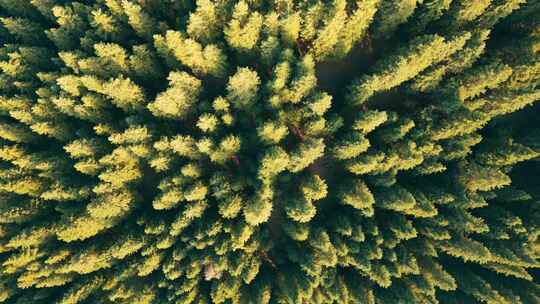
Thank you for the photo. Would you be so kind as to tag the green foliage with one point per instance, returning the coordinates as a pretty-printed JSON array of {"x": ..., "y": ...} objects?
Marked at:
[
  {"x": 359, "y": 197},
  {"x": 396, "y": 69},
  {"x": 340, "y": 29},
  {"x": 243, "y": 30},
  {"x": 369, "y": 121},
  {"x": 175, "y": 47},
  {"x": 351, "y": 146},
  {"x": 203, "y": 24},
  {"x": 393, "y": 13},
  {"x": 476, "y": 177},
  {"x": 344, "y": 151},
  {"x": 141, "y": 22},
  {"x": 466, "y": 11},
  {"x": 179, "y": 98},
  {"x": 242, "y": 88}
]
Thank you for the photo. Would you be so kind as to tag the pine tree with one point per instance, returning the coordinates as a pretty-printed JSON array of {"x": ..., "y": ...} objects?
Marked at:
[
  {"x": 124, "y": 93},
  {"x": 141, "y": 22},
  {"x": 23, "y": 30},
  {"x": 427, "y": 12},
  {"x": 475, "y": 177},
  {"x": 366, "y": 151},
  {"x": 464, "y": 89},
  {"x": 399, "y": 68},
  {"x": 355, "y": 28},
  {"x": 328, "y": 36},
  {"x": 242, "y": 88},
  {"x": 505, "y": 153},
  {"x": 351, "y": 146},
  {"x": 208, "y": 60},
  {"x": 306, "y": 154},
  {"x": 176, "y": 101},
  {"x": 462, "y": 59},
  {"x": 393, "y": 13},
  {"x": 203, "y": 24},
  {"x": 466, "y": 11},
  {"x": 359, "y": 197},
  {"x": 243, "y": 30}
]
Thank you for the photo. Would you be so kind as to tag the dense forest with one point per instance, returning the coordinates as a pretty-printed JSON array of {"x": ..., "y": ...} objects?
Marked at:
[{"x": 270, "y": 151}]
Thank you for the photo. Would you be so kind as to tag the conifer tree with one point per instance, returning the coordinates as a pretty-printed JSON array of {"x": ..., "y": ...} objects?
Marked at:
[
  {"x": 422, "y": 53},
  {"x": 142, "y": 23},
  {"x": 345, "y": 151},
  {"x": 393, "y": 13},
  {"x": 179, "y": 98},
  {"x": 243, "y": 30}
]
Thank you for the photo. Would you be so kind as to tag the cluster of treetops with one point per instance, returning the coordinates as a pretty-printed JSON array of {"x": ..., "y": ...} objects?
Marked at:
[{"x": 269, "y": 151}]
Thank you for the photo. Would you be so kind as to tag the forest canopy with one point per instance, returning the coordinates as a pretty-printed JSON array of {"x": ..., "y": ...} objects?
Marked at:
[{"x": 270, "y": 151}]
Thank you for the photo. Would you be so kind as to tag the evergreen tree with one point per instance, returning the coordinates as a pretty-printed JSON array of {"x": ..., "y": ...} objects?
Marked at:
[
  {"x": 393, "y": 13},
  {"x": 242, "y": 88},
  {"x": 345, "y": 151},
  {"x": 142, "y": 23},
  {"x": 422, "y": 53},
  {"x": 467, "y": 11},
  {"x": 243, "y": 30},
  {"x": 179, "y": 98},
  {"x": 175, "y": 47}
]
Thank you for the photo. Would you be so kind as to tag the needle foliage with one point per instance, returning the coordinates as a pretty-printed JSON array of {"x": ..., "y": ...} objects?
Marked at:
[{"x": 269, "y": 151}]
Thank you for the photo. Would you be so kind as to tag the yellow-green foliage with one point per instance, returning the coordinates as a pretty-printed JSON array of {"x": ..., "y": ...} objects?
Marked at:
[{"x": 269, "y": 152}]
